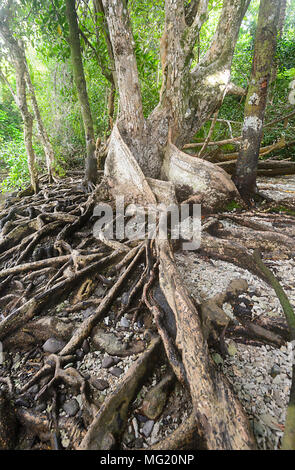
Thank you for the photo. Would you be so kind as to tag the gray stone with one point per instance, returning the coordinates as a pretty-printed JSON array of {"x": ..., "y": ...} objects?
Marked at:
[
  {"x": 99, "y": 384},
  {"x": 147, "y": 428},
  {"x": 116, "y": 371},
  {"x": 85, "y": 346},
  {"x": 124, "y": 322},
  {"x": 275, "y": 370},
  {"x": 71, "y": 407},
  {"x": 53, "y": 345},
  {"x": 107, "y": 342},
  {"x": 107, "y": 362}
]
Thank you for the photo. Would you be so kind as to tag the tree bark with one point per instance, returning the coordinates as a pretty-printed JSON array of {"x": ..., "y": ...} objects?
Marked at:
[
  {"x": 265, "y": 45},
  {"x": 80, "y": 82}
]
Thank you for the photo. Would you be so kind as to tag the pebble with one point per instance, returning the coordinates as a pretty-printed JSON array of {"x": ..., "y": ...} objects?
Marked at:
[
  {"x": 85, "y": 346},
  {"x": 99, "y": 384},
  {"x": 71, "y": 407},
  {"x": 53, "y": 345},
  {"x": 147, "y": 428},
  {"x": 107, "y": 342},
  {"x": 124, "y": 322},
  {"x": 107, "y": 362},
  {"x": 275, "y": 370},
  {"x": 116, "y": 371}
]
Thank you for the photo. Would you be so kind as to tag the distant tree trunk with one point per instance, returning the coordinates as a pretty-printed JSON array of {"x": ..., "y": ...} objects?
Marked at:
[
  {"x": 265, "y": 45},
  {"x": 17, "y": 50},
  {"x": 48, "y": 150},
  {"x": 80, "y": 82},
  {"x": 21, "y": 101}
]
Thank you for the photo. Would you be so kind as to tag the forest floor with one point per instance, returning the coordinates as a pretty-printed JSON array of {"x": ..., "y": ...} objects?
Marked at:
[{"x": 58, "y": 282}]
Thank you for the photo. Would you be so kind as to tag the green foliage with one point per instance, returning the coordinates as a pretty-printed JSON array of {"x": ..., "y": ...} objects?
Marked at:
[
  {"x": 10, "y": 124},
  {"x": 14, "y": 158}
]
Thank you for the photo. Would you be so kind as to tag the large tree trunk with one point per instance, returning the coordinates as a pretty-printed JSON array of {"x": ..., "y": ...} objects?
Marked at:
[
  {"x": 265, "y": 44},
  {"x": 142, "y": 151},
  {"x": 80, "y": 82}
]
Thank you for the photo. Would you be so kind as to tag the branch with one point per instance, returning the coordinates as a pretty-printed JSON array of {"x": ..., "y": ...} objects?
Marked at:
[
  {"x": 225, "y": 37},
  {"x": 218, "y": 142},
  {"x": 201, "y": 152},
  {"x": 5, "y": 80},
  {"x": 107, "y": 75},
  {"x": 233, "y": 89}
]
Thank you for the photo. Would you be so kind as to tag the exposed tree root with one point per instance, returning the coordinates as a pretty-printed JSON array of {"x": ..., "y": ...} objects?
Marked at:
[
  {"x": 108, "y": 425},
  {"x": 40, "y": 272}
]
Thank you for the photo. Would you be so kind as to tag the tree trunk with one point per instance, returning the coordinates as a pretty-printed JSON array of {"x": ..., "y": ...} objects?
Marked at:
[
  {"x": 28, "y": 126},
  {"x": 18, "y": 51},
  {"x": 48, "y": 150},
  {"x": 21, "y": 101},
  {"x": 265, "y": 45},
  {"x": 80, "y": 82},
  {"x": 141, "y": 150}
]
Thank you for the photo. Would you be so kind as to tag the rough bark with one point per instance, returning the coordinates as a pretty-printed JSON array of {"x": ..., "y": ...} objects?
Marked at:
[
  {"x": 265, "y": 45},
  {"x": 80, "y": 82},
  {"x": 220, "y": 419}
]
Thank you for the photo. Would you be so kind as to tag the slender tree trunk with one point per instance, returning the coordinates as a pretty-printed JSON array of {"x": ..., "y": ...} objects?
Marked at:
[
  {"x": 18, "y": 52},
  {"x": 80, "y": 82},
  {"x": 265, "y": 45},
  {"x": 21, "y": 101},
  {"x": 48, "y": 150}
]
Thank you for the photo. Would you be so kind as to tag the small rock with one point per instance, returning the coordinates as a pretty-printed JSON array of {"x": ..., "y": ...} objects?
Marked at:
[
  {"x": 232, "y": 350},
  {"x": 85, "y": 346},
  {"x": 99, "y": 291},
  {"x": 156, "y": 397},
  {"x": 116, "y": 371},
  {"x": 275, "y": 370},
  {"x": 124, "y": 322},
  {"x": 71, "y": 407},
  {"x": 141, "y": 418},
  {"x": 155, "y": 433},
  {"x": 138, "y": 443},
  {"x": 99, "y": 384},
  {"x": 147, "y": 428},
  {"x": 107, "y": 362},
  {"x": 277, "y": 379},
  {"x": 80, "y": 354},
  {"x": 217, "y": 358},
  {"x": 53, "y": 345},
  {"x": 124, "y": 298},
  {"x": 107, "y": 342}
]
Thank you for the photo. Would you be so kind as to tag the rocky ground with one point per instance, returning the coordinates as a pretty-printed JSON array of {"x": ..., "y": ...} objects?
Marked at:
[{"x": 259, "y": 374}]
